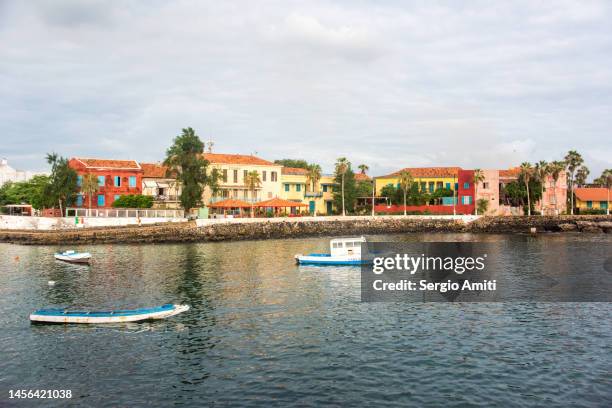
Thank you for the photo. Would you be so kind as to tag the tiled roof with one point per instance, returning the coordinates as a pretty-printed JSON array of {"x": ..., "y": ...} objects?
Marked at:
[
  {"x": 230, "y": 203},
  {"x": 279, "y": 202},
  {"x": 219, "y": 158},
  {"x": 510, "y": 173},
  {"x": 362, "y": 177},
  {"x": 153, "y": 170},
  {"x": 418, "y": 172},
  {"x": 592, "y": 194},
  {"x": 109, "y": 164},
  {"x": 296, "y": 171}
]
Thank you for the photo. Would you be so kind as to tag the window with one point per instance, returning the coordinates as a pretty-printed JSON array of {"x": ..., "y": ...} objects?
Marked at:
[
  {"x": 245, "y": 193},
  {"x": 603, "y": 205},
  {"x": 486, "y": 185},
  {"x": 235, "y": 176},
  {"x": 79, "y": 201},
  {"x": 466, "y": 185},
  {"x": 132, "y": 181},
  {"x": 325, "y": 188},
  {"x": 287, "y": 187},
  {"x": 431, "y": 186},
  {"x": 79, "y": 181},
  {"x": 263, "y": 175},
  {"x": 117, "y": 196},
  {"x": 423, "y": 186},
  {"x": 466, "y": 200},
  {"x": 117, "y": 181},
  {"x": 398, "y": 186},
  {"x": 298, "y": 187},
  {"x": 225, "y": 175},
  {"x": 244, "y": 174},
  {"x": 439, "y": 185},
  {"x": 456, "y": 186},
  {"x": 273, "y": 176},
  {"x": 589, "y": 204},
  {"x": 448, "y": 186},
  {"x": 100, "y": 180},
  {"x": 100, "y": 201}
]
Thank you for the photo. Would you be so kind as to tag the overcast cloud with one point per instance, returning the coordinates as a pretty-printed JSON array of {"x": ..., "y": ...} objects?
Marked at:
[{"x": 390, "y": 84}]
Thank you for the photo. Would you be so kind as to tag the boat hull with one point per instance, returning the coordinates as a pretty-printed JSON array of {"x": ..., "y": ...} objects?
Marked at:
[
  {"x": 323, "y": 259},
  {"x": 80, "y": 258},
  {"x": 121, "y": 316}
]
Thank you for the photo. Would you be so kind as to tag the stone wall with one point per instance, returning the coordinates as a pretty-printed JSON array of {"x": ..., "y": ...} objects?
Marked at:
[{"x": 292, "y": 228}]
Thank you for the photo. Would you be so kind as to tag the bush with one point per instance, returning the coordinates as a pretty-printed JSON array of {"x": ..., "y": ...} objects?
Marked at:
[
  {"x": 133, "y": 201},
  {"x": 593, "y": 211}
]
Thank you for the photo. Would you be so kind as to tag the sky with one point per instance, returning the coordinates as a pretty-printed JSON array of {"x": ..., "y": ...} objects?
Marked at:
[{"x": 475, "y": 84}]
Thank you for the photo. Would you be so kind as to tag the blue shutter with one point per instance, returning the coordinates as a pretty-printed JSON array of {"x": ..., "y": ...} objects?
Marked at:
[
  {"x": 132, "y": 181},
  {"x": 79, "y": 181},
  {"x": 79, "y": 201},
  {"x": 100, "y": 180},
  {"x": 100, "y": 201}
]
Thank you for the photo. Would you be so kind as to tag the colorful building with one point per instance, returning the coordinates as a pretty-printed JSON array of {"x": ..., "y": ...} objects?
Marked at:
[
  {"x": 115, "y": 178},
  {"x": 297, "y": 187},
  {"x": 233, "y": 169},
  {"x": 158, "y": 183},
  {"x": 554, "y": 200},
  {"x": 592, "y": 198}
]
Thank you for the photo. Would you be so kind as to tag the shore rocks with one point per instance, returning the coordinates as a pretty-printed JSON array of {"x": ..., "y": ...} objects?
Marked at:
[{"x": 292, "y": 228}]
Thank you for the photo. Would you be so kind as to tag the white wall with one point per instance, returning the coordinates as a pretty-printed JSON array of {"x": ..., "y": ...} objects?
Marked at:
[{"x": 54, "y": 223}]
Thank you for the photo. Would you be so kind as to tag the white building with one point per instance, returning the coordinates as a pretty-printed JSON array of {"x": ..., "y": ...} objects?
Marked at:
[{"x": 7, "y": 173}]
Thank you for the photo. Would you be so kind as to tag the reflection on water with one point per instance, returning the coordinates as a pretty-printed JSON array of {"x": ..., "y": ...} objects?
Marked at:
[{"x": 263, "y": 331}]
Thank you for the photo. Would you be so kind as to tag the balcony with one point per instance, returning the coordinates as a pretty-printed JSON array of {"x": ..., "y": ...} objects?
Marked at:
[
  {"x": 166, "y": 198},
  {"x": 248, "y": 200},
  {"x": 312, "y": 194}
]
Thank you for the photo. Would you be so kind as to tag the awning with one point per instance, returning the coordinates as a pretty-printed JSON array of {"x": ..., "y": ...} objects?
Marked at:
[
  {"x": 150, "y": 184},
  {"x": 279, "y": 203},
  {"x": 230, "y": 203}
]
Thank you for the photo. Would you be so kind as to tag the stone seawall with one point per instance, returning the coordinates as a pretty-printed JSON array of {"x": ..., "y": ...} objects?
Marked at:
[{"x": 294, "y": 228}]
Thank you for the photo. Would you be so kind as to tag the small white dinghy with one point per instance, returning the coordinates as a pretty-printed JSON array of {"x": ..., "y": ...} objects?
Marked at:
[
  {"x": 73, "y": 256},
  {"x": 343, "y": 251},
  {"x": 114, "y": 316}
]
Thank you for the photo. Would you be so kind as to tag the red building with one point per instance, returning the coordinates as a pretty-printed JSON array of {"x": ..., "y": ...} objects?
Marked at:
[{"x": 115, "y": 178}]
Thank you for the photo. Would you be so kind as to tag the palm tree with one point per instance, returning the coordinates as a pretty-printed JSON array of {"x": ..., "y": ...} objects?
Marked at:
[
  {"x": 478, "y": 178},
  {"x": 541, "y": 173},
  {"x": 606, "y": 176},
  {"x": 89, "y": 187},
  {"x": 252, "y": 181},
  {"x": 313, "y": 175},
  {"x": 554, "y": 169},
  {"x": 342, "y": 166},
  {"x": 581, "y": 175},
  {"x": 364, "y": 168},
  {"x": 526, "y": 173},
  {"x": 405, "y": 181},
  {"x": 573, "y": 159}
]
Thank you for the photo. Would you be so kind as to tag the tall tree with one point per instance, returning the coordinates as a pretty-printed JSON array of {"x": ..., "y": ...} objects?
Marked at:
[
  {"x": 62, "y": 181},
  {"x": 606, "y": 180},
  {"x": 363, "y": 168},
  {"x": 478, "y": 178},
  {"x": 90, "y": 186},
  {"x": 299, "y": 163},
  {"x": 541, "y": 174},
  {"x": 581, "y": 175},
  {"x": 554, "y": 169},
  {"x": 252, "y": 182},
  {"x": 573, "y": 160},
  {"x": 342, "y": 166},
  {"x": 405, "y": 182},
  {"x": 184, "y": 158},
  {"x": 525, "y": 174},
  {"x": 313, "y": 175}
]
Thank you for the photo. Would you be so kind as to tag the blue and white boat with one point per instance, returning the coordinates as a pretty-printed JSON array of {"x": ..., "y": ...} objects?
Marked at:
[
  {"x": 343, "y": 251},
  {"x": 73, "y": 256},
  {"x": 114, "y": 316}
]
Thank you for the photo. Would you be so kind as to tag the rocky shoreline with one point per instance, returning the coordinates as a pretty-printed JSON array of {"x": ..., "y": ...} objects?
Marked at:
[{"x": 293, "y": 228}]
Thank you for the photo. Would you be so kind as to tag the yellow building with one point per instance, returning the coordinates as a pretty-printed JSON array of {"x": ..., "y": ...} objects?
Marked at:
[
  {"x": 429, "y": 179},
  {"x": 588, "y": 198},
  {"x": 297, "y": 187},
  {"x": 233, "y": 168}
]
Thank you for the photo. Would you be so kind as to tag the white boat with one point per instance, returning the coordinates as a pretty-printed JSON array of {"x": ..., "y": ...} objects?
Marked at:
[
  {"x": 114, "y": 316},
  {"x": 73, "y": 256},
  {"x": 343, "y": 251}
]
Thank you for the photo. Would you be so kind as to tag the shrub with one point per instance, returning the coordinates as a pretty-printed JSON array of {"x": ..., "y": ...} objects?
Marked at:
[
  {"x": 593, "y": 211},
  {"x": 133, "y": 201}
]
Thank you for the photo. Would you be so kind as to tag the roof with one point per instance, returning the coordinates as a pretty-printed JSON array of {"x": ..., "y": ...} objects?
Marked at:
[
  {"x": 591, "y": 193},
  {"x": 154, "y": 170},
  {"x": 279, "y": 202},
  {"x": 295, "y": 171},
  {"x": 418, "y": 172},
  {"x": 512, "y": 172},
  {"x": 362, "y": 177},
  {"x": 230, "y": 203},
  {"x": 237, "y": 159},
  {"x": 109, "y": 164}
]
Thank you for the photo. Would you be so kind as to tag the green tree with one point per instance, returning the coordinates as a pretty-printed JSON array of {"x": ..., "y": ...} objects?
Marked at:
[
  {"x": 133, "y": 201},
  {"x": 526, "y": 172},
  {"x": 313, "y": 176},
  {"x": 601, "y": 180},
  {"x": 26, "y": 192},
  {"x": 252, "y": 182},
  {"x": 605, "y": 180},
  {"x": 299, "y": 163},
  {"x": 62, "y": 182},
  {"x": 363, "y": 168},
  {"x": 90, "y": 186},
  {"x": 554, "y": 169},
  {"x": 483, "y": 205},
  {"x": 184, "y": 158},
  {"x": 342, "y": 167},
  {"x": 541, "y": 173},
  {"x": 581, "y": 175},
  {"x": 405, "y": 182},
  {"x": 478, "y": 178},
  {"x": 572, "y": 160}
]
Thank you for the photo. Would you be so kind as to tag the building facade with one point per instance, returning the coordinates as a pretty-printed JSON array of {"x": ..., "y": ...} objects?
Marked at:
[
  {"x": 554, "y": 199},
  {"x": 115, "y": 178},
  {"x": 9, "y": 174},
  {"x": 296, "y": 186},
  {"x": 592, "y": 198},
  {"x": 158, "y": 183},
  {"x": 232, "y": 170}
]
